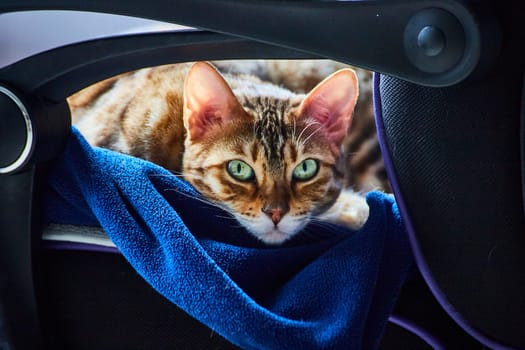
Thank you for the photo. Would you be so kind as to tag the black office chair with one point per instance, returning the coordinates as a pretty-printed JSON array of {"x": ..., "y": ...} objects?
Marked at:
[{"x": 448, "y": 105}]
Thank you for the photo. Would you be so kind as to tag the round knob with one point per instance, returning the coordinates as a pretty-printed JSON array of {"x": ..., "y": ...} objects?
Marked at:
[
  {"x": 16, "y": 132},
  {"x": 434, "y": 40},
  {"x": 431, "y": 40}
]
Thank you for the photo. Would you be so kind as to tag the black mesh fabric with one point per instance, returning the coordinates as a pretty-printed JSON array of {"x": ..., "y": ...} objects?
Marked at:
[{"x": 456, "y": 156}]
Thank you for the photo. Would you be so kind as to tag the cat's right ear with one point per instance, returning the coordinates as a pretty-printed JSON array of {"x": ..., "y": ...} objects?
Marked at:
[{"x": 208, "y": 100}]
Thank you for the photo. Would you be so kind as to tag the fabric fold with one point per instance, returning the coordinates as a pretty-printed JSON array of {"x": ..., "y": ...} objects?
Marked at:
[{"x": 332, "y": 288}]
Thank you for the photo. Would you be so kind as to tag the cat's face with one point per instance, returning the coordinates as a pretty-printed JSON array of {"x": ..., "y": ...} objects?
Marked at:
[{"x": 273, "y": 161}]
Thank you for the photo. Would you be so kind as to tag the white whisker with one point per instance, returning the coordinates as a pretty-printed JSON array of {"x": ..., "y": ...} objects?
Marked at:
[
  {"x": 165, "y": 175},
  {"x": 196, "y": 197},
  {"x": 229, "y": 217},
  {"x": 306, "y": 127},
  {"x": 180, "y": 176},
  {"x": 306, "y": 234},
  {"x": 330, "y": 227},
  {"x": 309, "y": 136},
  {"x": 294, "y": 139},
  {"x": 236, "y": 225},
  {"x": 255, "y": 130}
]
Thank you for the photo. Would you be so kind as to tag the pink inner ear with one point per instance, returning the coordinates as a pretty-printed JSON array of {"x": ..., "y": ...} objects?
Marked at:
[
  {"x": 332, "y": 103},
  {"x": 200, "y": 123},
  {"x": 208, "y": 100}
]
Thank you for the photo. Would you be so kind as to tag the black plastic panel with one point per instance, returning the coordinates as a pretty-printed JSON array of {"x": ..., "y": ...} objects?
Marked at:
[
  {"x": 58, "y": 73},
  {"x": 17, "y": 289},
  {"x": 522, "y": 138},
  {"x": 396, "y": 337},
  {"x": 94, "y": 300},
  {"x": 369, "y": 34}
]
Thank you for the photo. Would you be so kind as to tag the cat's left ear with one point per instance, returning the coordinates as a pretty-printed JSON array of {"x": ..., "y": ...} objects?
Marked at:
[{"x": 331, "y": 103}]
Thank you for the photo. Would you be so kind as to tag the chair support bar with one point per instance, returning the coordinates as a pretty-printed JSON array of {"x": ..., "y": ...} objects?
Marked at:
[{"x": 430, "y": 42}]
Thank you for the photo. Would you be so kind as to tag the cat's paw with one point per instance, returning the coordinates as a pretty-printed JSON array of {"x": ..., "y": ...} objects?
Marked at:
[
  {"x": 350, "y": 210},
  {"x": 355, "y": 214}
]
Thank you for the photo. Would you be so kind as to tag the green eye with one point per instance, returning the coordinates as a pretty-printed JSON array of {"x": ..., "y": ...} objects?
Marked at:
[
  {"x": 240, "y": 170},
  {"x": 305, "y": 170}
]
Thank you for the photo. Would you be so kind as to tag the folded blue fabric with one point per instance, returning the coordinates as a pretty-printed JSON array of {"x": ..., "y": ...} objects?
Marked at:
[{"x": 330, "y": 290}]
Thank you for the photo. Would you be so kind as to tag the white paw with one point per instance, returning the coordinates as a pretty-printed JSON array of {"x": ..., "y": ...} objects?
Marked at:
[
  {"x": 355, "y": 213},
  {"x": 350, "y": 210}
]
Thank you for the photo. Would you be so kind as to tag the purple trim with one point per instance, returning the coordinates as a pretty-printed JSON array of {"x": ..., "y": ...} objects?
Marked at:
[
  {"x": 422, "y": 333},
  {"x": 416, "y": 249},
  {"x": 86, "y": 247}
]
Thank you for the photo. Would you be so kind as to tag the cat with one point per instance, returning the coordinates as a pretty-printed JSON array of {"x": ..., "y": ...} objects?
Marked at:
[
  {"x": 273, "y": 158},
  {"x": 365, "y": 168}
]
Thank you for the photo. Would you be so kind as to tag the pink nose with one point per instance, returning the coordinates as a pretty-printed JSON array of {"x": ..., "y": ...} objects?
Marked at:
[{"x": 275, "y": 214}]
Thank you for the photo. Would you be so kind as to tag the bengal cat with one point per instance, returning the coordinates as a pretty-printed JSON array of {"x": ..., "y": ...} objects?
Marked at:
[{"x": 274, "y": 158}]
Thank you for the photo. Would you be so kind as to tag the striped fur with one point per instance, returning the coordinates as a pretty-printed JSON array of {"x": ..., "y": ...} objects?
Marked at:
[
  {"x": 192, "y": 120},
  {"x": 365, "y": 170}
]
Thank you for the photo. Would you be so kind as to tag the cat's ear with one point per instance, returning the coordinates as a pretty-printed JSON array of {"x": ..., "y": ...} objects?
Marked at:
[
  {"x": 208, "y": 100},
  {"x": 331, "y": 103}
]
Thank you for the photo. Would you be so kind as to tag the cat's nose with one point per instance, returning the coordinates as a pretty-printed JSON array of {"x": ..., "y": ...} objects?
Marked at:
[{"x": 275, "y": 214}]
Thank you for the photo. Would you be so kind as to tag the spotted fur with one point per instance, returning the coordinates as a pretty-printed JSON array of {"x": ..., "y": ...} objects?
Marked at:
[
  {"x": 365, "y": 169},
  {"x": 191, "y": 119}
]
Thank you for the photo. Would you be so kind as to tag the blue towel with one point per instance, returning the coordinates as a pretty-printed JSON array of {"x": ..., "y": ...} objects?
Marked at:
[{"x": 332, "y": 288}]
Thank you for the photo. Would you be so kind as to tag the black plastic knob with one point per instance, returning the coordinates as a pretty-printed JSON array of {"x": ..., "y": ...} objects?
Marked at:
[
  {"x": 431, "y": 40},
  {"x": 434, "y": 40}
]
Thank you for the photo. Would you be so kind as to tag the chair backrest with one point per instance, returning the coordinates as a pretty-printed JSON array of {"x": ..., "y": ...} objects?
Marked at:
[
  {"x": 455, "y": 155},
  {"x": 449, "y": 114}
]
